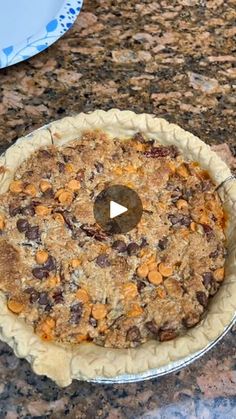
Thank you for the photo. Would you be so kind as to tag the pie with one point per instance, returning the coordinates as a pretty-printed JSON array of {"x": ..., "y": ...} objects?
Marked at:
[{"x": 72, "y": 286}]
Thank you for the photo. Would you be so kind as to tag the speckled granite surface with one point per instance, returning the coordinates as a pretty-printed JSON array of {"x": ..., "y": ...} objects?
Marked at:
[{"x": 172, "y": 58}]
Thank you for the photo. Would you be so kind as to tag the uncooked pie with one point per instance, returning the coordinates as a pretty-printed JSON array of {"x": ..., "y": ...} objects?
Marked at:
[{"x": 73, "y": 282}]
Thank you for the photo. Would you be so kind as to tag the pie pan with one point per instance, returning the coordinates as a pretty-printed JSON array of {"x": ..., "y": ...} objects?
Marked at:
[{"x": 88, "y": 361}]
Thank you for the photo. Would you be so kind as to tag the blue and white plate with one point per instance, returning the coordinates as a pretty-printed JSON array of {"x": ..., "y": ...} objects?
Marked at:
[{"x": 27, "y": 27}]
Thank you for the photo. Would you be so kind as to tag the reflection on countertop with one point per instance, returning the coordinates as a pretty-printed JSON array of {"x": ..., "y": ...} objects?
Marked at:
[{"x": 171, "y": 58}]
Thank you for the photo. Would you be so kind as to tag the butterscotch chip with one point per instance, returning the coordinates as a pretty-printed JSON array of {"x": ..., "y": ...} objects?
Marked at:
[
  {"x": 155, "y": 277},
  {"x": 15, "y": 306},
  {"x": 66, "y": 197},
  {"x": 16, "y": 186},
  {"x": 81, "y": 338},
  {"x": 102, "y": 326},
  {"x": 152, "y": 266},
  {"x": 99, "y": 311},
  {"x": 82, "y": 295},
  {"x": 42, "y": 211},
  {"x": 117, "y": 171},
  {"x": 193, "y": 226},
  {"x": 182, "y": 171},
  {"x": 165, "y": 270},
  {"x": 172, "y": 166},
  {"x": 204, "y": 219},
  {"x": 161, "y": 292},
  {"x": 45, "y": 185},
  {"x": 181, "y": 203},
  {"x": 130, "y": 290},
  {"x": 41, "y": 257},
  {"x": 139, "y": 146},
  {"x": 219, "y": 274},
  {"x": 50, "y": 322},
  {"x": 59, "y": 192},
  {"x": 47, "y": 337},
  {"x": 130, "y": 169},
  {"x": 74, "y": 185},
  {"x": 2, "y": 222},
  {"x": 59, "y": 218},
  {"x": 69, "y": 168},
  {"x": 75, "y": 263},
  {"x": 53, "y": 281},
  {"x": 30, "y": 190},
  {"x": 45, "y": 329},
  {"x": 142, "y": 271},
  {"x": 135, "y": 311}
]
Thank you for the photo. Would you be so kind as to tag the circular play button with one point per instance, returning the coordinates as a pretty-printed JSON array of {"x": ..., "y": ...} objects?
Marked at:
[{"x": 118, "y": 209}]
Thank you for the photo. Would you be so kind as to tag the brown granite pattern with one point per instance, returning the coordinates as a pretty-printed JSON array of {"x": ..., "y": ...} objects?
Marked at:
[{"x": 173, "y": 58}]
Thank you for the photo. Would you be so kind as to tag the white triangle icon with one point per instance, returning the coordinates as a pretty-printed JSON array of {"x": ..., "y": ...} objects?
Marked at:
[{"x": 116, "y": 209}]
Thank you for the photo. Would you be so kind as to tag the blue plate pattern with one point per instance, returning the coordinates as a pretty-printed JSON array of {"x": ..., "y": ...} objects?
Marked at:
[{"x": 36, "y": 43}]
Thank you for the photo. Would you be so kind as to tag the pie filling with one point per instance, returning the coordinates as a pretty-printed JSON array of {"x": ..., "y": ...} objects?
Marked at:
[{"x": 73, "y": 282}]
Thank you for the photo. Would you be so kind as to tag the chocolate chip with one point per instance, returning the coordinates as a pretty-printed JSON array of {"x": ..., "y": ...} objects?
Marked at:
[
  {"x": 32, "y": 233},
  {"x": 29, "y": 173},
  {"x": 48, "y": 175},
  {"x": 50, "y": 265},
  {"x": 214, "y": 288},
  {"x": 206, "y": 185},
  {"x": 175, "y": 218},
  {"x": 133, "y": 334},
  {"x": 103, "y": 261},
  {"x": 191, "y": 319},
  {"x": 40, "y": 273},
  {"x": 132, "y": 249},
  {"x": 139, "y": 137},
  {"x": 188, "y": 193},
  {"x": 28, "y": 210},
  {"x": 58, "y": 297},
  {"x": 119, "y": 245},
  {"x": 48, "y": 193},
  {"x": 93, "y": 231},
  {"x": 143, "y": 243},
  {"x": 14, "y": 210},
  {"x": 66, "y": 158},
  {"x": 80, "y": 175},
  {"x": 185, "y": 221},
  {"x": 67, "y": 217},
  {"x": 180, "y": 219},
  {"x": 162, "y": 244},
  {"x": 76, "y": 313},
  {"x": 33, "y": 294},
  {"x": 92, "y": 176},
  {"x": 208, "y": 231},
  {"x": 99, "y": 167},
  {"x": 165, "y": 335},
  {"x": 93, "y": 321},
  {"x": 61, "y": 167},
  {"x": 152, "y": 327},
  {"x": 162, "y": 151},
  {"x": 208, "y": 278},
  {"x": 202, "y": 298},
  {"x": 22, "y": 225},
  {"x": 140, "y": 285},
  {"x": 214, "y": 254},
  {"x": 45, "y": 154},
  {"x": 176, "y": 195},
  {"x": 43, "y": 298},
  {"x": 48, "y": 307}
]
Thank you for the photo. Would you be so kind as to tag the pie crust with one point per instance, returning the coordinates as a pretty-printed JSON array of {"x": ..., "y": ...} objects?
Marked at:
[{"x": 87, "y": 361}]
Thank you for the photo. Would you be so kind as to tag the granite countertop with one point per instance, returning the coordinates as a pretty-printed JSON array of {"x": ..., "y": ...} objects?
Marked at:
[{"x": 173, "y": 58}]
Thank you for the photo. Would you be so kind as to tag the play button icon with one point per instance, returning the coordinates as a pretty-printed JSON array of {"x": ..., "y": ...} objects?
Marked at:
[{"x": 118, "y": 209}]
